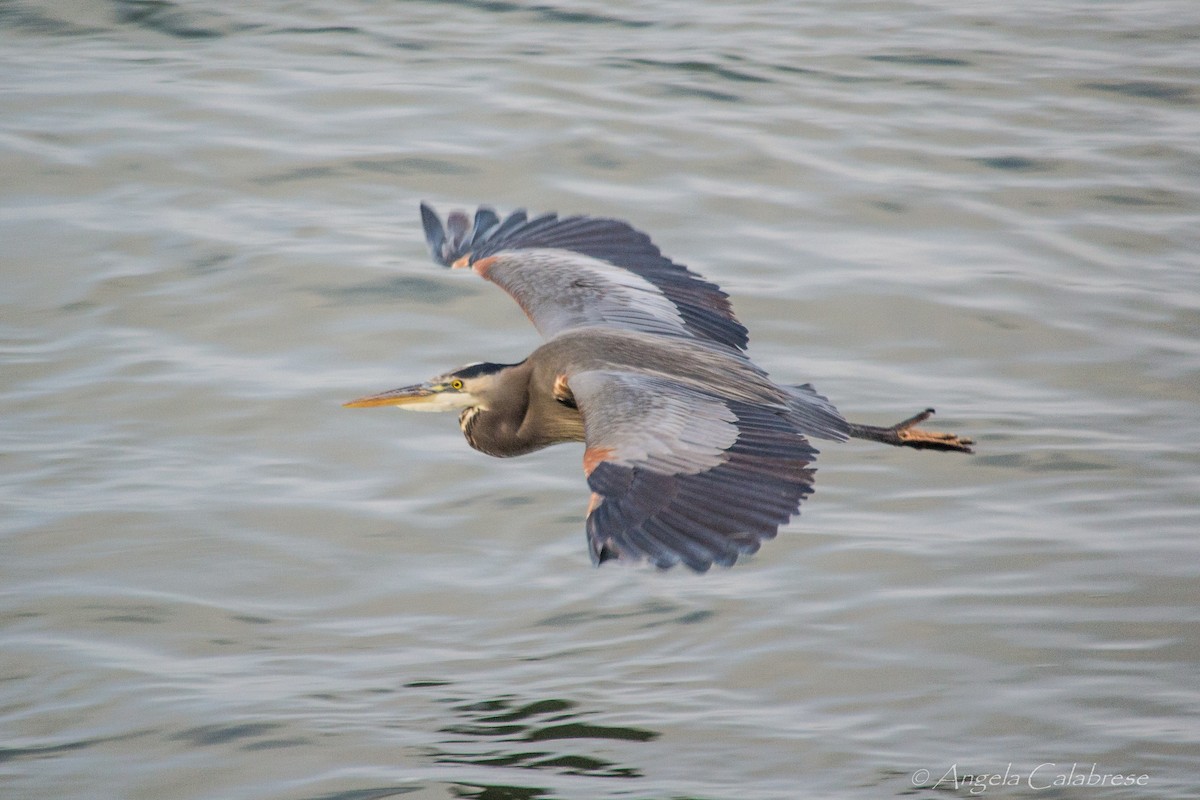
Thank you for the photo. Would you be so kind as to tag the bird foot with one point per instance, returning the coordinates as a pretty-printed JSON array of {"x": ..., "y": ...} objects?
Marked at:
[{"x": 907, "y": 434}]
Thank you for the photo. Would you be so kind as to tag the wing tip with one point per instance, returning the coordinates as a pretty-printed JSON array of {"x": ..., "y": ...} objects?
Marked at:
[
  {"x": 605, "y": 552},
  {"x": 637, "y": 547},
  {"x": 460, "y": 233}
]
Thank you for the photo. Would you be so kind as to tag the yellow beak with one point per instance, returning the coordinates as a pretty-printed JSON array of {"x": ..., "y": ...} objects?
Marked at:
[{"x": 406, "y": 395}]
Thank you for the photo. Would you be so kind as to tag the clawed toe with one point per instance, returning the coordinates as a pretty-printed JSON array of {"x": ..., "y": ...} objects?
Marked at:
[
  {"x": 907, "y": 434},
  {"x": 912, "y": 436}
]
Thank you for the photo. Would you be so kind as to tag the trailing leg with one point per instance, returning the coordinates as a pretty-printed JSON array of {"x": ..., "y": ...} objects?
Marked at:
[{"x": 907, "y": 434}]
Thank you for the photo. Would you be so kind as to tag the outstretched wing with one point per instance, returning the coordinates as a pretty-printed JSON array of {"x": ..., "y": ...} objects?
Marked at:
[
  {"x": 682, "y": 475},
  {"x": 579, "y": 271}
]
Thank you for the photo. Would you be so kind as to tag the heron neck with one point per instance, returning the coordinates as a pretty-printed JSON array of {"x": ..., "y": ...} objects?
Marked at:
[
  {"x": 520, "y": 416},
  {"x": 495, "y": 427}
]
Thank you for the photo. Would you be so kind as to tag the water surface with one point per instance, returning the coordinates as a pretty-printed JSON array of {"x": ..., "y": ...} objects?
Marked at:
[{"x": 216, "y": 583}]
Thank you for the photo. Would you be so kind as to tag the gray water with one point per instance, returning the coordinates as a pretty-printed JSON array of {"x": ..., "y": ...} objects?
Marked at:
[{"x": 216, "y": 583}]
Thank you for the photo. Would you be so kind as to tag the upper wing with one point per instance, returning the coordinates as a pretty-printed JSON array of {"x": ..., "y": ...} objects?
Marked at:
[
  {"x": 579, "y": 271},
  {"x": 682, "y": 475}
]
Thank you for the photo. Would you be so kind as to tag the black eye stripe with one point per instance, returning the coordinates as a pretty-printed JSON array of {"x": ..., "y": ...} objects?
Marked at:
[{"x": 475, "y": 370}]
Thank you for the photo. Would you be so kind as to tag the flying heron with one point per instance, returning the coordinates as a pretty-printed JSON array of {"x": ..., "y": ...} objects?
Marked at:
[{"x": 692, "y": 453}]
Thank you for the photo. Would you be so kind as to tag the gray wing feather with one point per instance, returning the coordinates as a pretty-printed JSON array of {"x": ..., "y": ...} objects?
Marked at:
[
  {"x": 653, "y": 422},
  {"x": 561, "y": 290},
  {"x": 684, "y": 476},
  {"x": 698, "y": 306}
]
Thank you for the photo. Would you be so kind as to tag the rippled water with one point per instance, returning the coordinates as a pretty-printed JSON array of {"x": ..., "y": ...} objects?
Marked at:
[{"x": 215, "y": 583}]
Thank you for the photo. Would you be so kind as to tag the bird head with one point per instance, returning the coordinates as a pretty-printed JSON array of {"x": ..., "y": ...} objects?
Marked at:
[{"x": 465, "y": 387}]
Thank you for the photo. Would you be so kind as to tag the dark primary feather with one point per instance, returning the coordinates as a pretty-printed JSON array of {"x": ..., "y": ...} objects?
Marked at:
[
  {"x": 703, "y": 307},
  {"x": 447, "y": 243}
]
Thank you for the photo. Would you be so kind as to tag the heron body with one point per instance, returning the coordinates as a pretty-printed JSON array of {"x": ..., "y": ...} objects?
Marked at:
[{"x": 693, "y": 454}]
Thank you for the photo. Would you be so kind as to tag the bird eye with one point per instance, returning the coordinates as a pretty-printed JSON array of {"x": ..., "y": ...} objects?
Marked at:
[{"x": 456, "y": 384}]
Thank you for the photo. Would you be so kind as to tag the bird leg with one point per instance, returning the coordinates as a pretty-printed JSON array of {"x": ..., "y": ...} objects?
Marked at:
[{"x": 907, "y": 434}]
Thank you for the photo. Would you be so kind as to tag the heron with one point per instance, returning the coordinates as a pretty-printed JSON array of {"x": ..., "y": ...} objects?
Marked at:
[{"x": 692, "y": 453}]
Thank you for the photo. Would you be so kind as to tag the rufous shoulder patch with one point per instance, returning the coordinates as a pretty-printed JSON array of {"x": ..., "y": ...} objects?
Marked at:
[
  {"x": 592, "y": 457},
  {"x": 482, "y": 266}
]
